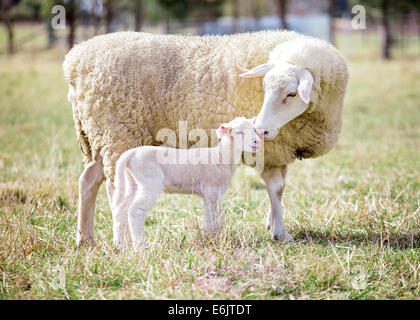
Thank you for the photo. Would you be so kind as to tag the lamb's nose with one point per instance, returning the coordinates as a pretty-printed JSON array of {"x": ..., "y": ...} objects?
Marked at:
[{"x": 260, "y": 132}]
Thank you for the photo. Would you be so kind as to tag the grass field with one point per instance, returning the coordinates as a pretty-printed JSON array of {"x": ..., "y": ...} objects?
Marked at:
[{"x": 354, "y": 213}]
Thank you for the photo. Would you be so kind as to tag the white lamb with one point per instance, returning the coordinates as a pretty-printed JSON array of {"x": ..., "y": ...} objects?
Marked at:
[{"x": 143, "y": 173}]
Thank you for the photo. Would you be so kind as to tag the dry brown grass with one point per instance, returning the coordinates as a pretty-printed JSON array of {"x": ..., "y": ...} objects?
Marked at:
[{"x": 354, "y": 213}]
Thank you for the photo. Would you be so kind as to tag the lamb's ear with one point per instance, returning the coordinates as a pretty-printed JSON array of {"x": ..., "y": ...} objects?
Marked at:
[
  {"x": 223, "y": 130},
  {"x": 258, "y": 71},
  {"x": 305, "y": 85},
  {"x": 252, "y": 120}
]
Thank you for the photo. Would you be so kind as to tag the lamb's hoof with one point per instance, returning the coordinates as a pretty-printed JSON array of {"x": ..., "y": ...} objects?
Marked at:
[{"x": 283, "y": 237}]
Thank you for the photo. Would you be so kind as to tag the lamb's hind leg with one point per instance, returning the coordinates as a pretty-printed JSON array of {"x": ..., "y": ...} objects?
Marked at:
[
  {"x": 143, "y": 201},
  {"x": 121, "y": 233},
  {"x": 89, "y": 183}
]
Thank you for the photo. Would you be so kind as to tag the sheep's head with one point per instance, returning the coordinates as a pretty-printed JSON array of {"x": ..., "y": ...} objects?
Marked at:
[{"x": 287, "y": 93}]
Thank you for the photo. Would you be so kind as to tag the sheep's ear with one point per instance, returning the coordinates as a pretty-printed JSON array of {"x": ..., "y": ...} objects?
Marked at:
[
  {"x": 305, "y": 85},
  {"x": 223, "y": 130},
  {"x": 252, "y": 120},
  {"x": 258, "y": 71}
]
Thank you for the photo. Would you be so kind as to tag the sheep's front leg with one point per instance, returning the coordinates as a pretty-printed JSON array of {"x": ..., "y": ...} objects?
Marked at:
[
  {"x": 89, "y": 183},
  {"x": 213, "y": 213},
  {"x": 275, "y": 179}
]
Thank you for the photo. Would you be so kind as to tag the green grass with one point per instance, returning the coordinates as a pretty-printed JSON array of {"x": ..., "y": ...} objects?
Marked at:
[
  {"x": 367, "y": 44},
  {"x": 354, "y": 213}
]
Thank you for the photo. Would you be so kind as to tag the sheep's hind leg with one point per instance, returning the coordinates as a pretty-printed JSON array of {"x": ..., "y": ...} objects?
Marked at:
[
  {"x": 275, "y": 179},
  {"x": 89, "y": 183}
]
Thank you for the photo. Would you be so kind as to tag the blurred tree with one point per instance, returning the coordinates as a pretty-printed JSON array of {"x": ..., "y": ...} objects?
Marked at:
[
  {"x": 331, "y": 12},
  {"x": 45, "y": 13},
  {"x": 336, "y": 8},
  {"x": 152, "y": 11},
  {"x": 207, "y": 10},
  {"x": 71, "y": 16},
  {"x": 178, "y": 9},
  {"x": 386, "y": 50},
  {"x": 6, "y": 15},
  {"x": 282, "y": 12},
  {"x": 235, "y": 15},
  {"x": 138, "y": 14},
  {"x": 96, "y": 12},
  {"x": 71, "y": 7},
  {"x": 109, "y": 14},
  {"x": 256, "y": 10},
  {"x": 29, "y": 10},
  {"x": 238, "y": 8},
  {"x": 389, "y": 10}
]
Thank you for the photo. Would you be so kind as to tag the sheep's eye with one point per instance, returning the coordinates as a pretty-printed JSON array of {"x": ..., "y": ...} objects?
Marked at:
[
  {"x": 240, "y": 132},
  {"x": 292, "y": 94}
]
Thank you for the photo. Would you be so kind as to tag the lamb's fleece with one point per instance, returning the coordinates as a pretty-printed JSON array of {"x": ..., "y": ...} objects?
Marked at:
[{"x": 126, "y": 86}]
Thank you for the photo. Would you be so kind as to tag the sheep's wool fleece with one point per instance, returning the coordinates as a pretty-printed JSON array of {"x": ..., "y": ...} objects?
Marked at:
[{"x": 126, "y": 86}]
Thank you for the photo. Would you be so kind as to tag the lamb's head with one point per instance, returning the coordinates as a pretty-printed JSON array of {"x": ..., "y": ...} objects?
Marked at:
[
  {"x": 287, "y": 93},
  {"x": 241, "y": 133}
]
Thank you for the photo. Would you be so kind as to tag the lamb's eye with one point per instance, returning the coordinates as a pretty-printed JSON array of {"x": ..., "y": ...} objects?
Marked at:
[
  {"x": 240, "y": 132},
  {"x": 292, "y": 94}
]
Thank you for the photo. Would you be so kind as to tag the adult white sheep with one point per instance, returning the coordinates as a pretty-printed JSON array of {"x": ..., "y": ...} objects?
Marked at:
[{"x": 124, "y": 87}]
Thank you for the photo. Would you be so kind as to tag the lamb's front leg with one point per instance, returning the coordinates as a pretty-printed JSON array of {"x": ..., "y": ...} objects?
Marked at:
[
  {"x": 275, "y": 180},
  {"x": 213, "y": 212}
]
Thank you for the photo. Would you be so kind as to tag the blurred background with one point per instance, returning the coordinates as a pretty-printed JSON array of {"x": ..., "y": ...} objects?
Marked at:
[{"x": 392, "y": 27}]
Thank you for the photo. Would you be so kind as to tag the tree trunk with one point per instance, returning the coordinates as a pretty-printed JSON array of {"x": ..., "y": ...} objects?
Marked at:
[
  {"x": 138, "y": 15},
  {"x": 387, "y": 37},
  {"x": 256, "y": 13},
  {"x": 235, "y": 15},
  {"x": 10, "y": 36},
  {"x": 331, "y": 11},
  {"x": 282, "y": 12},
  {"x": 418, "y": 26},
  {"x": 71, "y": 21},
  {"x": 109, "y": 15},
  {"x": 95, "y": 17},
  {"x": 51, "y": 34},
  {"x": 167, "y": 25},
  {"x": 5, "y": 7}
]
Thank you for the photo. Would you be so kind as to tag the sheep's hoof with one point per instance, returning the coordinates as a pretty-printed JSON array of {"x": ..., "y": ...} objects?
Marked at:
[
  {"x": 283, "y": 237},
  {"x": 86, "y": 243},
  {"x": 119, "y": 246}
]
